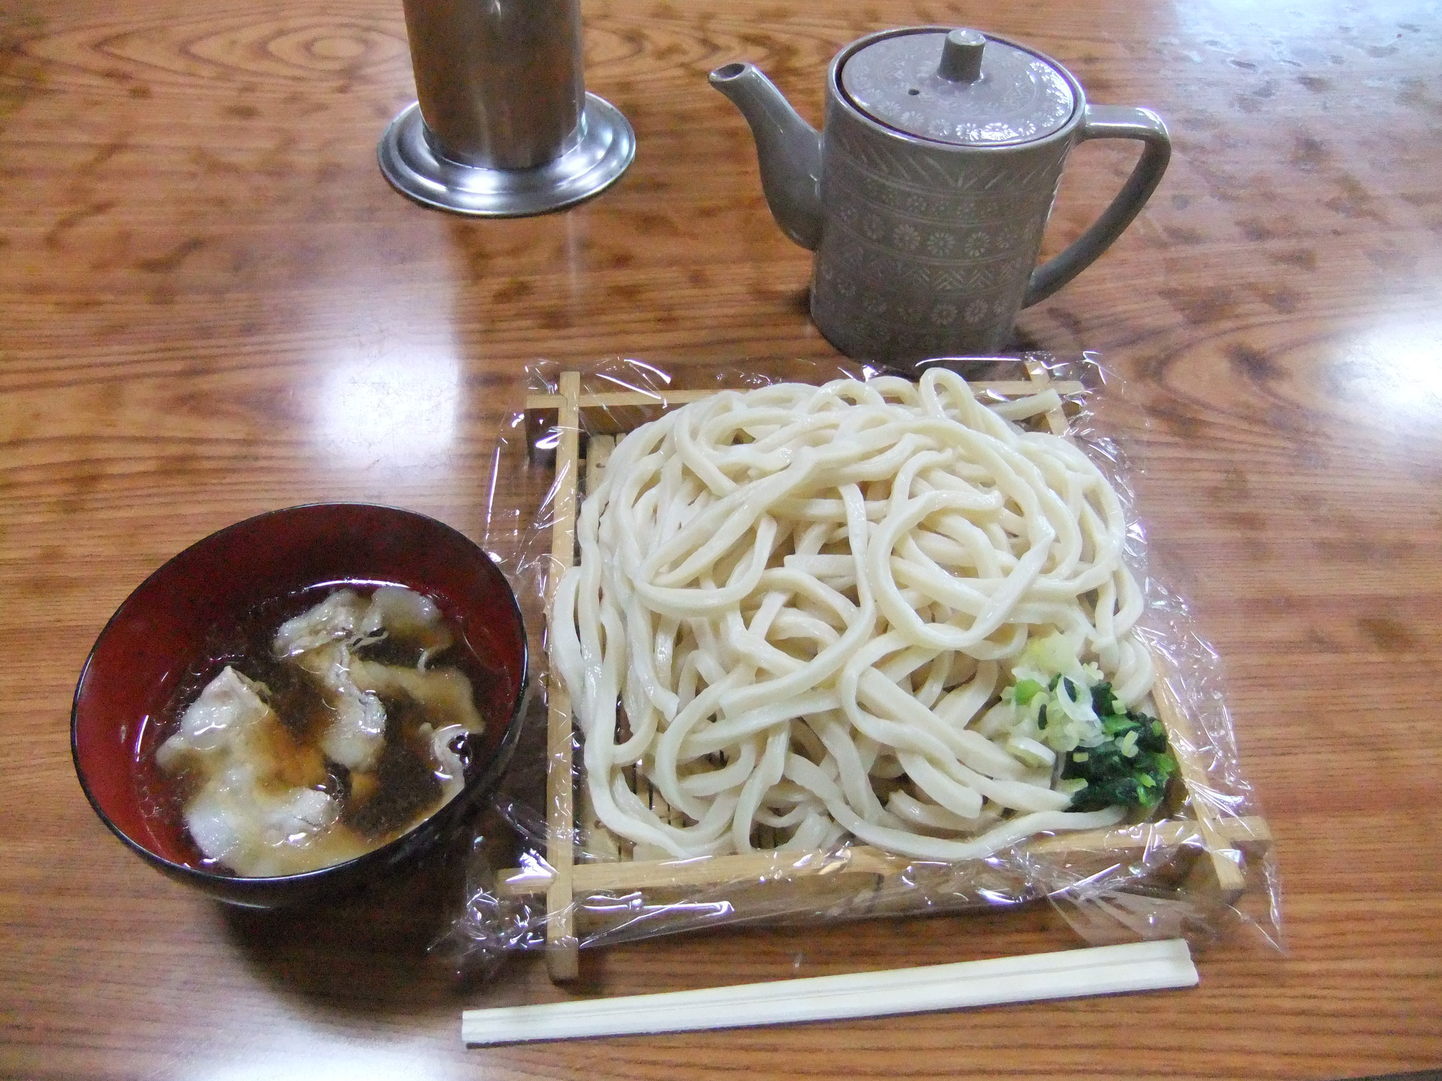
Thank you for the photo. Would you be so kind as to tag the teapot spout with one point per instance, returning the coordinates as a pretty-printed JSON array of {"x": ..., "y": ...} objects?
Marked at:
[{"x": 787, "y": 148}]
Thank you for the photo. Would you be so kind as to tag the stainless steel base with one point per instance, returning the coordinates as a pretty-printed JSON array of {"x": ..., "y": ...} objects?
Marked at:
[{"x": 604, "y": 150}]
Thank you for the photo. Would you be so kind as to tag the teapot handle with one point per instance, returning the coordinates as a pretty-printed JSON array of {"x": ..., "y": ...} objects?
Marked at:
[{"x": 1108, "y": 122}]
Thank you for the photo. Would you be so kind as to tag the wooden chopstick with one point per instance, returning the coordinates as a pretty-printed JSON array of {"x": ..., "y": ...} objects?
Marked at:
[{"x": 1097, "y": 970}]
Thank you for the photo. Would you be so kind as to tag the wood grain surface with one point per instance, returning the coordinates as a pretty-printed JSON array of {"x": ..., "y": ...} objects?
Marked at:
[{"x": 211, "y": 304}]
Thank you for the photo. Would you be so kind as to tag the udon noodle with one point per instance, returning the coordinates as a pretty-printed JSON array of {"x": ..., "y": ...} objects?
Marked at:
[{"x": 796, "y": 609}]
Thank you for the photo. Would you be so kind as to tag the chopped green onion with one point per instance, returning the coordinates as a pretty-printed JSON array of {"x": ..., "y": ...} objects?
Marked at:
[{"x": 1025, "y": 690}]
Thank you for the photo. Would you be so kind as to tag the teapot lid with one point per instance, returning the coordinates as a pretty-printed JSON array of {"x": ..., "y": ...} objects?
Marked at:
[{"x": 958, "y": 86}]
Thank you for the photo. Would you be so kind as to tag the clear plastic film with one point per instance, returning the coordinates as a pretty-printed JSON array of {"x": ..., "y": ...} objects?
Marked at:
[{"x": 1197, "y": 865}]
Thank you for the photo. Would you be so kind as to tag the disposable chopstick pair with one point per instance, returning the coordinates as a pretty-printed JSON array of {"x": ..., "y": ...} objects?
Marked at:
[{"x": 1097, "y": 970}]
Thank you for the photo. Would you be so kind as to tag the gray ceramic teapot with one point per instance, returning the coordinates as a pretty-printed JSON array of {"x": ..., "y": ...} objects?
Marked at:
[{"x": 927, "y": 194}]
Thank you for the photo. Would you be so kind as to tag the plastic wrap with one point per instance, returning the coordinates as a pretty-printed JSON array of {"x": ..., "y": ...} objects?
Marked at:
[{"x": 1198, "y": 867}]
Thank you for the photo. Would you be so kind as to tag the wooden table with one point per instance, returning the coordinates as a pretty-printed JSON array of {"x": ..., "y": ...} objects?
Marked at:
[{"x": 212, "y": 304}]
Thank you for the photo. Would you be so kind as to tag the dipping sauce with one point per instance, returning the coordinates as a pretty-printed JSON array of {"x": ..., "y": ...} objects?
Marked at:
[{"x": 324, "y": 726}]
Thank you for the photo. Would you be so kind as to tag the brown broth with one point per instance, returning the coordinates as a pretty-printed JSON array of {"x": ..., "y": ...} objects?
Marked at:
[{"x": 376, "y": 807}]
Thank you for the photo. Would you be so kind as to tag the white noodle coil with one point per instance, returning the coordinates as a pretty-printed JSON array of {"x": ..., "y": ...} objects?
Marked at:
[{"x": 795, "y": 605}]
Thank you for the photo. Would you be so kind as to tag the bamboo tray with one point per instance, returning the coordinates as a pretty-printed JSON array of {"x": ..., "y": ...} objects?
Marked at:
[{"x": 1201, "y": 847}]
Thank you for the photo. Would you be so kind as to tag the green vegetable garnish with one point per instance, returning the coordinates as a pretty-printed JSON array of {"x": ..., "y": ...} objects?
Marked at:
[
  {"x": 1110, "y": 756},
  {"x": 1131, "y": 765},
  {"x": 1025, "y": 690}
]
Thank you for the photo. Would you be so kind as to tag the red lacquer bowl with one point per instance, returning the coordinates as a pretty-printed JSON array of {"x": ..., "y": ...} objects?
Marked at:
[{"x": 160, "y": 632}]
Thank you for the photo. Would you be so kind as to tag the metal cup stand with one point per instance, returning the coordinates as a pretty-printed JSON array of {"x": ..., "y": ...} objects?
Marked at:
[{"x": 504, "y": 126}]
